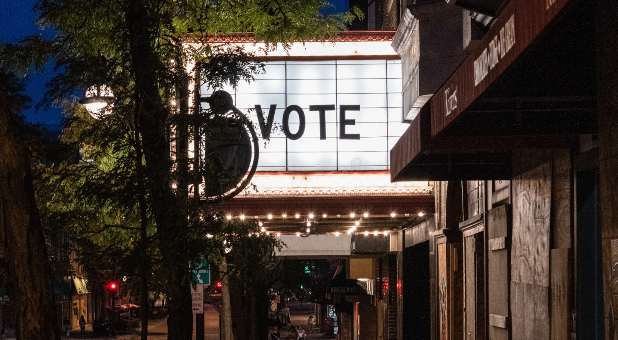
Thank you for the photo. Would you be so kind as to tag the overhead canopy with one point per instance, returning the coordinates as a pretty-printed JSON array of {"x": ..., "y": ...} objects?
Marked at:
[{"x": 527, "y": 84}]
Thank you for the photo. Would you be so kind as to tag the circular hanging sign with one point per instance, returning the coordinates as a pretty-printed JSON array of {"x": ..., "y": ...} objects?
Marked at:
[{"x": 228, "y": 149}]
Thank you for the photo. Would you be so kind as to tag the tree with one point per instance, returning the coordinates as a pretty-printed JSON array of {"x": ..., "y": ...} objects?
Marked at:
[
  {"x": 21, "y": 232},
  {"x": 135, "y": 47}
]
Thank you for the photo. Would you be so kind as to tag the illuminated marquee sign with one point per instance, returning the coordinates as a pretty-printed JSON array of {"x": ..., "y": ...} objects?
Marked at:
[{"x": 328, "y": 115}]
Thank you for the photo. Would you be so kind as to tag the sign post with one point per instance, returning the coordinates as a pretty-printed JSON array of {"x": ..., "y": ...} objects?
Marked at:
[{"x": 201, "y": 279}]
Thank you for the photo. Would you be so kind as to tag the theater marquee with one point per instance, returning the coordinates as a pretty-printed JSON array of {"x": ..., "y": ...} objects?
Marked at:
[{"x": 326, "y": 115}]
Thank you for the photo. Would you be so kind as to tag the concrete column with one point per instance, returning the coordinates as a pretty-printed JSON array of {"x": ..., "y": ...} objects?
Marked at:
[{"x": 607, "y": 87}]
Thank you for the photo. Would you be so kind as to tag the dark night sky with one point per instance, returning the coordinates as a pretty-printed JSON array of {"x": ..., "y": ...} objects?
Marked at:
[{"x": 17, "y": 20}]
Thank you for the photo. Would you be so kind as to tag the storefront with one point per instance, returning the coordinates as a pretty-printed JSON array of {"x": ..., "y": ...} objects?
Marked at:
[{"x": 511, "y": 138}]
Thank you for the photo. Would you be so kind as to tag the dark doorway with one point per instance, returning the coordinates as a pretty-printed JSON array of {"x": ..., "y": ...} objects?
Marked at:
[
  {"x": 416, "y": 313},
  {"x": 589, "y": 285}
]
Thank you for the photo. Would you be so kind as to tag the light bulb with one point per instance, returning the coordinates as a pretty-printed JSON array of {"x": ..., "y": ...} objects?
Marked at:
[
  {"x": 324, "y": 215},
  {"x": 269, "y": 216},
  {"x": 297, "y": 215},
  {"x": 278, "y": 234},
  {"x": 228, "y": 217},
  {"x": 242, "y": 217},
  {"x": 366, "y": 233},
  {"x": 393, "y": 214},
  {"x": 352, "y": 214},
  {"x": 311, "y": 215},
  {"x": 284, "y": 215},
  {"x": 366, "y": 214},
  {"x": 357, "y": 223},
  {"x": 421, "y": 214},
  {"x": 298, "y": 234}
]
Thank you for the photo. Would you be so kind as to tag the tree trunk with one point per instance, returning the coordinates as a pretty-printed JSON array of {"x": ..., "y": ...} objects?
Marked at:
[
  {"x": 24, "y": 242},
  {"x": 227, "y": 332},
  {"x": 170, "y": 217}
]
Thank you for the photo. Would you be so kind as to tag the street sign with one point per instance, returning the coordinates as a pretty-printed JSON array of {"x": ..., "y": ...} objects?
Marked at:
[
  {"x": 201, "y": 273},
  {"x": 197, "y": 299}
]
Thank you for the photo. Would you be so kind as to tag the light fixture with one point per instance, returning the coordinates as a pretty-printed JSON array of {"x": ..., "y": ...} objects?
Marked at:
[
  {"x": 349, "y": 231},
  {"x": 406, "y": 214},
  {"x": 421, "y": 213},
  {"x": 308, "y": 223},
  {"x": 263, "y": 229},
  {"x": 97, "y": 100},
  {"x": 298, "y": 234},
  {"x": 269, "y": 216},
  {"x": 337, "y": 234},
  {"x": 393, "y": 214},
  {"x": 308, "y": 230},
  {"x": 228, "y": 217},
  {"x": 260, "y": 223},
  {"x": 366, "y": 233},
  {"x": 324, "y": 215},
  {"x": 376, "y": 233},
  {"x": 311, "y": 215},
  {"x": 284, "y": 215},
  {"x": 366, "y": 214},
  {"x": 352, "y": 214},
  {"x": 386, "y": 232},
  {"x": 268, "y": 233},
  {"x": 209, "y": 236},
  {"x": 278, "y": 234},
  {"x": 242, "y": 217},
  {"x": 357, "y": 223},
  {"x": 297, "y": 215}
]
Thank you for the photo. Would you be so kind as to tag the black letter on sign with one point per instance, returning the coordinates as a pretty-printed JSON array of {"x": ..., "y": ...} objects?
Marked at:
[
  {"x": 343, "y": 121},
  {"x": 265, "y": 128},
  {"x": 301, "y": 121},
  {"x": 322, "y": 109}
]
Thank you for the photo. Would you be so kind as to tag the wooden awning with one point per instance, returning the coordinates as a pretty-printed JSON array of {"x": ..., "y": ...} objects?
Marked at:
[{"x": 528, "y": 83}]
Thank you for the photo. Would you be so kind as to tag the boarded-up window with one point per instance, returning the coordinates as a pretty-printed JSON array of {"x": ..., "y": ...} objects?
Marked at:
[{"x": 474, "y": 198}]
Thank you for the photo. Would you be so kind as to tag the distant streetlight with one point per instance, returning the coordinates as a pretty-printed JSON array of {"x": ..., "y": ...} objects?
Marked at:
[{"x": 98, "y": 100}]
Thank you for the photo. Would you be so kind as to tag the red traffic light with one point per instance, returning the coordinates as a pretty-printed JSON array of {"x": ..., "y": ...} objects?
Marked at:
[
  {"x": 112, "y": 286},
  {"x": 219, "y": 285}
]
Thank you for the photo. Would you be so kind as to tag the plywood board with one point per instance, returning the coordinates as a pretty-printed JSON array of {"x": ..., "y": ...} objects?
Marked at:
[
  {"x": 530, "y": 254},
  {"x": 498, "y": 273}
]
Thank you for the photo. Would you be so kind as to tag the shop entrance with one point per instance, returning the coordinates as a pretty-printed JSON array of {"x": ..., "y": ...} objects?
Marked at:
[{"x": 416, "y": 292}]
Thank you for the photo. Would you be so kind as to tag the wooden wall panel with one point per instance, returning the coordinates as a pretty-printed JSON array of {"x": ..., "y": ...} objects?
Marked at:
[
  {"x": 442, "y": 292},
  {"x": 530, "y": 254},
  {"x": 560, "y": 293},
  {"x": 498, "y": 273}
]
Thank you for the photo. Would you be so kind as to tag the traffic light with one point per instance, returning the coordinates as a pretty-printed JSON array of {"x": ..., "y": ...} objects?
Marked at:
[{"x": 112, "y": 286}]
